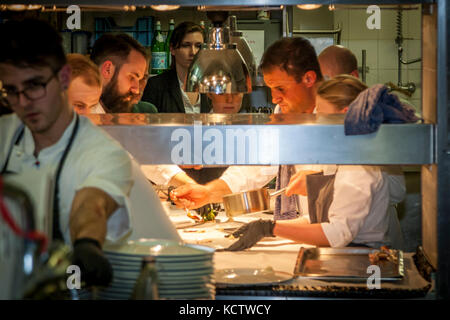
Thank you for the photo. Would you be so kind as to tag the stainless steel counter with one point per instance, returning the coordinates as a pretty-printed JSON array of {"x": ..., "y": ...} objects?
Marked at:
[{"x": 259, "y": 139}]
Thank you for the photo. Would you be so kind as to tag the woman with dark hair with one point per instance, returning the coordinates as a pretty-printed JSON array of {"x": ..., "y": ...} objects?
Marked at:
[{"x": 165, "y": 91}]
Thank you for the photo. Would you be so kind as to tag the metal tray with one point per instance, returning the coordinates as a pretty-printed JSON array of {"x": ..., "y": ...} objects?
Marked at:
[{"x": 345, "y": 264}]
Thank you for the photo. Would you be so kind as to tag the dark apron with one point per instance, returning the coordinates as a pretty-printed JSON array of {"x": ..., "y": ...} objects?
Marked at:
[
  {"x": 205, "y": 175},
  {"x": 320, "y": 189},
  {"x": 18, "y": 135}
]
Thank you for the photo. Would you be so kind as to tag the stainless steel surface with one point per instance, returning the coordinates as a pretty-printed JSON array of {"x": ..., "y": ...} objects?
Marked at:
[
  {"x": 263, "y": 139},
  {"x": 345, "y": 264},
  {"x": 363, "y": 65},
  {"x": 244, "y": 49},
  {"x": 246, "y": 202},
  {"x": 249, "y": 201},
  {"x": 219, "y": 67},
  {"x": 146, "y": 286},
  {"x": 18, "y": 257},
  {"x": 219, "y": 2}
]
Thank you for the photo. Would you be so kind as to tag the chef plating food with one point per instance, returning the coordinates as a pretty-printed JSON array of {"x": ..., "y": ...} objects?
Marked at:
[{"x": 337, "y": 205}]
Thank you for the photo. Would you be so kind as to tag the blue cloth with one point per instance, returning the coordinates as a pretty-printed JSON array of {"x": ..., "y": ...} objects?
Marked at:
[
  {"x": 374, "y": 106},
  {"x": 285, "y": 207}
]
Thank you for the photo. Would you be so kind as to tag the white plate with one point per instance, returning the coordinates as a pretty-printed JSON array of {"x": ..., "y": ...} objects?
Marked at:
[
  {"x": 250, "y": 276},
  {"x": 159, "y": 248},
  {"x": 124, "y": 259},
  {"x": 197, "y": 279}
]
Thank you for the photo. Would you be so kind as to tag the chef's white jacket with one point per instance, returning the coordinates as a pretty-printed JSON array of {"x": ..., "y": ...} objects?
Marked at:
[
  {"x": 95, "y": 160},
  {"x": 359, "y": 211}
]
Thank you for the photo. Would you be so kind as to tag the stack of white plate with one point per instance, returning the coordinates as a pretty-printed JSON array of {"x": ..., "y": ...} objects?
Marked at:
[{"x": 185, "y": 271}]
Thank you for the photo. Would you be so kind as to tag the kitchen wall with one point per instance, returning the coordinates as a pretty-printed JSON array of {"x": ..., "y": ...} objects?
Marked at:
[
  {"x": 379, "y": 44},
  {"x": 381, "y": 47}
]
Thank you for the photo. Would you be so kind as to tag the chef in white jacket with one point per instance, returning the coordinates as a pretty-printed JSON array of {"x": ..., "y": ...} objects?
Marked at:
[
  {"x": 352, "y": 209},
  {"x": 357, "y": 213}
]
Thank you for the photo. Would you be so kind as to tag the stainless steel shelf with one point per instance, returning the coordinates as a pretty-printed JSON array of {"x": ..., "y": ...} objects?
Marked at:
[
  {"x": 261, "y": 3},
  {"x": 256, "y": 139}
]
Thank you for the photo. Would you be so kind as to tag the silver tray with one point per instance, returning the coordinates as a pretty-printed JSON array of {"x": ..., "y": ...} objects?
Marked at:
[{"x": 345, "y": 264}]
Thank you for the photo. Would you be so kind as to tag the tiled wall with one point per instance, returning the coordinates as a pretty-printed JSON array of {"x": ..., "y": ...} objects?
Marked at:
[{"x": 380, "y": 46}]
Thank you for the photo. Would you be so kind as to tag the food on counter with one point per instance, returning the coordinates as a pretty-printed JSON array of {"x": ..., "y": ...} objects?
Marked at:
[
  {"x": 195, "y": 230},
  {"x": 204, "y": 241},
  {"x": 210, "y": 215},
  {"x": 193, "y": 216},
  {"x": 384, "y": 254}
]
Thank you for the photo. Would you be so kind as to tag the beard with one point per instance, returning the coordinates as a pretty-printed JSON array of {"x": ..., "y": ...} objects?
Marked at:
[{"x": 115, "y": 102}]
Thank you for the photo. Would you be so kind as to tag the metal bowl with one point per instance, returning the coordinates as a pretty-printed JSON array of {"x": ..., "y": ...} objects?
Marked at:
[{"x": 249, "y": 201}]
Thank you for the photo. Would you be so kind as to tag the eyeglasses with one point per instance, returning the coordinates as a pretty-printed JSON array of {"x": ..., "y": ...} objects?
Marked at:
[{"x": 32, "y": 92}]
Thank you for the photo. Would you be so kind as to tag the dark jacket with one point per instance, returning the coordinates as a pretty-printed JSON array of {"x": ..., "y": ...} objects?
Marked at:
[{"x": 164, "y": 92}]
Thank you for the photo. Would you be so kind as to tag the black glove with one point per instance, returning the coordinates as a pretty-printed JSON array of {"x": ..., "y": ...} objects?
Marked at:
[
  {"x": 251, "y": 233},
  {"x": 95, "y": 268}
]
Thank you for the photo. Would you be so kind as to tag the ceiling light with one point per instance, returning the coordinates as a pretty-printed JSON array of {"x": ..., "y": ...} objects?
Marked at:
[
  {"x": 309, "y": 6},
  {"x": 17, "y": 7},
  {"x": 164, "y": 7}
]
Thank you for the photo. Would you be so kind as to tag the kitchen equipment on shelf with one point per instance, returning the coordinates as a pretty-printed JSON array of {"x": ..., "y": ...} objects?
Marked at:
[
  {"x": 346, "y": 264},
  {"x": 219, "y": 67},
  {"x": 249, "y": 201},
  {"x": 184, "y": 271},
  {"x": 251, "y": 277}
]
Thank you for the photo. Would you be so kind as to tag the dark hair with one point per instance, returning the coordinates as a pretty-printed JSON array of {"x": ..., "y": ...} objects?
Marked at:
[
  {"x": 31, "y": 43},
  {"x": 83, "y": 67},
  {"x": 115, "y": 47},
  {"x": 295, "y": 56},
  {"x": 181, "y": 31}
]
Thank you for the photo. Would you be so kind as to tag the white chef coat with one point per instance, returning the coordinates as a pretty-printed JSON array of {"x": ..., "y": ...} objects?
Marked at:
[
  {"x": 359, "y": 209},
  {"x": 149, "y": 219},
  {"x": 95, "y": 160},
  {"x": 160, "y": 174}
]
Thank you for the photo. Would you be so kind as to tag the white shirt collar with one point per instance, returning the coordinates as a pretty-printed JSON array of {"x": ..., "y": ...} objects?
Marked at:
[{"x": 29, "y": 145}]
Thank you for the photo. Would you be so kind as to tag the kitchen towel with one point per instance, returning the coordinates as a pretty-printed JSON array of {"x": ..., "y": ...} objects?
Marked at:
[
  {"x": 285, "y": 207},
  {"x": 374, "y": 106}
]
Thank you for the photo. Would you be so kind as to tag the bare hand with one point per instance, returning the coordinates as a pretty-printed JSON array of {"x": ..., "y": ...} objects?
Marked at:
[
  {"x": 297, "y": 183},
  {"x": 190, "y": 196}
]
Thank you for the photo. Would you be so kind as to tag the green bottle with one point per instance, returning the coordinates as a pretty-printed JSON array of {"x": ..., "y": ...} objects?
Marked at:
[
  {"x": 159, "y": 55},
  {"x": 169, "y": 35}
]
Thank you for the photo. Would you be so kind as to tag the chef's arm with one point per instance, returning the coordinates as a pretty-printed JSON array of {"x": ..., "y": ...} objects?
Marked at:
[
  {"x": 193, "y": 196},
  {"x": 300, "y": 230},
  {"x": 91, "y": 208},
  {"x": 181, "y": 178},
  {"x": 217, "y": 189}
]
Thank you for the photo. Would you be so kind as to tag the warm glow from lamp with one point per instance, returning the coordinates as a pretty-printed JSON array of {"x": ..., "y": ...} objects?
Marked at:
[
  {"x": 164, "y": 7},
  {"x": 17, "y": 7},
  {"x": 309, "y": 6},
  {"x": 22, "y": 7}
]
